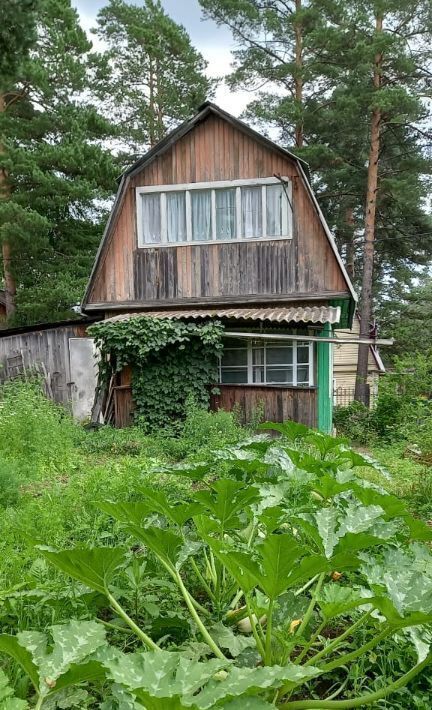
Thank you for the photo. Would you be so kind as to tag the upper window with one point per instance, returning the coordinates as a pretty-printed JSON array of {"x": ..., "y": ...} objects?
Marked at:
[
  {"x": 217, "y": 211},
  {"x": 287, "y": 363}
]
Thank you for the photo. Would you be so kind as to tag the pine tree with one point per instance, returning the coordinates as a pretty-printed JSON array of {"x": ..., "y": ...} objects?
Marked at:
[
  {"x": 56, "y": 174},
  {"x": 17, "y": 34},
  {"x": 383, "y": 54},
  {"x": 150, "y": 77},
  {"x": 365, "y": 67}
]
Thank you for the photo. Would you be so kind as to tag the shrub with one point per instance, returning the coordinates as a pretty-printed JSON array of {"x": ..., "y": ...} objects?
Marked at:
[
  {"x": 355, "y": 422},
  {"x": 35, "y": 433}
]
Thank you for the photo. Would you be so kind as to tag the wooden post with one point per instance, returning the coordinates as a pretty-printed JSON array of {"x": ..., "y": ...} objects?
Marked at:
[{"x": 325, "y": 393}]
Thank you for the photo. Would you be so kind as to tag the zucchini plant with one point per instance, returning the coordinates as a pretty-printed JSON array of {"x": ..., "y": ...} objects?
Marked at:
[{"x": 283, "y": 564}]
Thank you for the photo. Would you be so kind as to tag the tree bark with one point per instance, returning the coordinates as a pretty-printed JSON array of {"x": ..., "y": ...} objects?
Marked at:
[
  {"x": 350, "y": 246},
  {"x": 9, "y": 278},
  {"x": 361, "y": 393},
  {"x": 298, "y": 78}
]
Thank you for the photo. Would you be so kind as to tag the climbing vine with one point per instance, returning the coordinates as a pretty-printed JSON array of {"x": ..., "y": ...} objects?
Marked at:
[{"x": 171, "y": 361}]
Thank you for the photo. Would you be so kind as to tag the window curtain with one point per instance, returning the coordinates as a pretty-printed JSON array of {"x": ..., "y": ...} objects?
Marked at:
[
  {"x": 201, "y": 215},
  {"x": 176, "y": 216},
  {"x": 251, "y": 212},
  {"x": 225, "y": 214},
  {"x": 275, "y": 196},
  {"x": 151, "y": 215}
]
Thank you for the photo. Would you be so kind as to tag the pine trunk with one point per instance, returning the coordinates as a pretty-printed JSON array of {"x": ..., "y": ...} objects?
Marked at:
[
  {"x": 361, "y": 388},
  {"x": 298, "y": 79},
  {"x": 9, "y": 279},
  {"x": 350, "y": 246}
]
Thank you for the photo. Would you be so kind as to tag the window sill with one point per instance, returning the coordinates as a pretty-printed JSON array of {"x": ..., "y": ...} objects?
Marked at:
[
  {"x": 249, "y": 240},
  {"x": 268, "y": 386}
]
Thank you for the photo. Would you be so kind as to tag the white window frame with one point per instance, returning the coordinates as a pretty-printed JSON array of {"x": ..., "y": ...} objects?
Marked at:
[
  {"x": 213, "y": 186},
  {"x": 249, "y": 345}
]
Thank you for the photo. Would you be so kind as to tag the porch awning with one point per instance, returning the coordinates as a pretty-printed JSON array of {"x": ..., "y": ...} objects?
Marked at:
[{"x": 295, "y": 314}]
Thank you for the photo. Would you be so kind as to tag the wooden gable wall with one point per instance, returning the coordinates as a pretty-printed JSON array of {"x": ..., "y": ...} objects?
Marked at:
[{"x": 254, "y": 271}]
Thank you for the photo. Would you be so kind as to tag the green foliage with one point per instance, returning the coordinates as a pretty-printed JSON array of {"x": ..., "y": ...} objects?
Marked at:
[
  {"x": 57, "y": 173},
  {"x": 311, "y": 67},
  {"x": 149, "y": 76},
  {"x": 273, "y": 598},
  {"x": 35, "y": 434},
  {"x": 172, "y": 363},
  {"x": 403, "y": 410}
]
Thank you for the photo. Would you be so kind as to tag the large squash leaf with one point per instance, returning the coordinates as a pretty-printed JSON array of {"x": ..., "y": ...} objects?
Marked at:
[
  {"x": 7, "y": 699},
  {"x": 11, "y": 646},
  {"x": 73, "y": 643},
  {"x": 226, "y": 500},
  {"x": 94, "y": 567},
  {"x": 165, "y": 676},
  {"x": 250, "y": 681}
]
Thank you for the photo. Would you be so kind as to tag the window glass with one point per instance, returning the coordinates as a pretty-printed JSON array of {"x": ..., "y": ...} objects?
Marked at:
[
  {"x": 258, "y": 374},
  {"x": 279, "y": 355},
  {"x": 303, "y": 375},
  {"x": 270, "y": 363},
  {"x": 302, "y": 353},
  {"x": 277, "y": 208},
  {"x": 151, "y": 215},
  {"x": 236, "y": 356},
  {"x": 201, "y": 215},
  {"x": 251, "y": 201},
  {"x": 225, "y": 214},
  {"x": 258, "y": 355},
  {"x": 176, "y": 216},
  {"x": 279, "y": 375},
  {"x": 234, "y": 375}
]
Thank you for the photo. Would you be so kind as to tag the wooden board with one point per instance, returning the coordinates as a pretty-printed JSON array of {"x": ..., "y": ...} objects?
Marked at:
[
  {"x": 216, "y": 150},
  {"x": 279, "y": 403}
]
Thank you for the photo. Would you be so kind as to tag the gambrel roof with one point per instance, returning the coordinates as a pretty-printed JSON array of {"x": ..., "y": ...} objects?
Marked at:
[{"x": 207, "y": 109}]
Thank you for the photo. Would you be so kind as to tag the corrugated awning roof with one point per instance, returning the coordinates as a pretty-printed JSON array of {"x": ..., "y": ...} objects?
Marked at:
[{"x": 295, "y": 314}]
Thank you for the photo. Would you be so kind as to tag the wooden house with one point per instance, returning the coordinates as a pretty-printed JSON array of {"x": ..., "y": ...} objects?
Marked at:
[
  {"x": 217, "y": 221},
  {"x": 345, "y": 357}
]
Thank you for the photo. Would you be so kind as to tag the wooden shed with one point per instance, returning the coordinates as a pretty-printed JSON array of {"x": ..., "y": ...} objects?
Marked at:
[{"x": 61, "y": 354}]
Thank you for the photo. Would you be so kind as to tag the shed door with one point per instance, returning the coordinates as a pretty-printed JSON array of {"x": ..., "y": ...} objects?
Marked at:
[{"x": 83, "y": 368}]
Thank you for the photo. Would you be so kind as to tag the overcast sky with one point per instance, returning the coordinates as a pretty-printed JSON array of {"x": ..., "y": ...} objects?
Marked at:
[{"x": 215, "y": 43}]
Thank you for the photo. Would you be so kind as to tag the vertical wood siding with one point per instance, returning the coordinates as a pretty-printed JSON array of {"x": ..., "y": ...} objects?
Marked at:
[
  {"x": 279, "y": 403},
  {"x": 215, "y": 150},
  {"x": 49, "y": 348}
]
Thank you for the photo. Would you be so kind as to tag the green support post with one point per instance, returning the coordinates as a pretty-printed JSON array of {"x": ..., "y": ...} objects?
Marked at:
[{"x": 325, "y": 385}]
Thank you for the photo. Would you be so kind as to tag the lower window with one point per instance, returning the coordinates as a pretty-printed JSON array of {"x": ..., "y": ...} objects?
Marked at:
[{"x": 287, "y": 363}]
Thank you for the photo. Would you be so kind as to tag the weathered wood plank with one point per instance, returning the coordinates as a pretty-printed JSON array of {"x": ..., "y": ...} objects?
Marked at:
[
  {"x": 216, "y": 150},
  {"x": 278, "y": 403}
]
